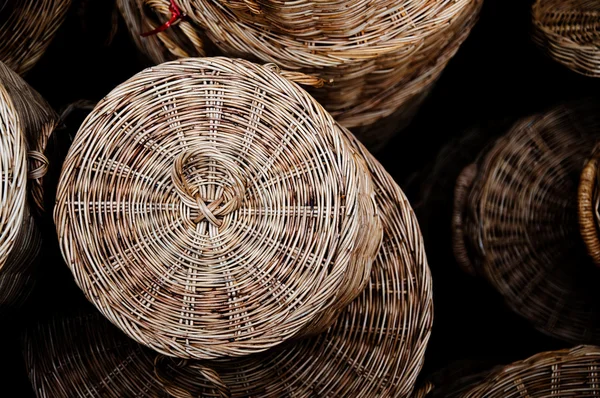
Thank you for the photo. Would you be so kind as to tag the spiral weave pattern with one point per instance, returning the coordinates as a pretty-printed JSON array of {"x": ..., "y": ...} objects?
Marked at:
[
  {"x": 209, "y": 208},
  {"x": 375, "y": 347}
]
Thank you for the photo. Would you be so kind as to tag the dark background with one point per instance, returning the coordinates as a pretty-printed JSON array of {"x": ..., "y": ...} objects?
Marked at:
[{"x": 497, "y": 77}]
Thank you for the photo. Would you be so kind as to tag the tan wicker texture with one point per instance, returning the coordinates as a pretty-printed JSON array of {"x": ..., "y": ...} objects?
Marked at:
[
  {"x": 516, "y": 222},
  {"x": 379, "y": 55},
  {"x": 569, "y": 31},
  {"x": 27, "y": 28},
  {"x": 210, "y": 208},
  {"x": 26, "y": 121},
  {"x": 564, "y": 373},
  {"x": 374, "y": 349},
  {"x": 589, "y": 207}
]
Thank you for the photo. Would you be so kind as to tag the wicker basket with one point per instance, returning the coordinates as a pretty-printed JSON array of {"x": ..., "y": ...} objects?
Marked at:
[
  {"x": 27, "y": 28},
  {"x": 26, "y": 123},
  {"x": 375, "y": 348},
  {"x": 210, "y": 208},
  {"x": 516, "y": 224},
  {"x": 589, "y": 207},
  {"x": 563, "y": 373},
  {"x": 569, "y": 31},
  {"x": 379, "y": 57}
]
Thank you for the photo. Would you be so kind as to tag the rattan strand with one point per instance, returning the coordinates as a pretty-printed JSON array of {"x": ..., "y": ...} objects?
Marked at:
[
  {"x": 374, "y": 349},
  {"x": 26, "y": 121},
  {"x": 569, "y": 31},
  {"x": 210, "y": 208},
  {"x": 564, "y": 373},
  {"x": 27, "y": 28},
  {"x": 378, "y": 72},
  {"x": 518, "y": 226},
  {"x": 589, "y": 207}
]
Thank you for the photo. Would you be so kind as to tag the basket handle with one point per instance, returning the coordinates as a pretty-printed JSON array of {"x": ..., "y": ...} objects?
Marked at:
[
  {"x": 176, "y": 390},
  {"x": 424, "y": 390},
  {"x": 588, "y": 197},
  {"x": 299, "y": 77},
  {"x": 464, "y": 183}
]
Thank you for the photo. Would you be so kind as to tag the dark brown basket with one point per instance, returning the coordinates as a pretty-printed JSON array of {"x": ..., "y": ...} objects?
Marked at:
[
  {"x": 563, "y": 373},
  {"x": 27, "y": 28},
  {"x": 516, "y": 224},
  {"x": 569, "y": 31},
  {"x": 374, "y": 349},
  {"x": 380, "y": 60},
  {"x": 26, "y": 122}
]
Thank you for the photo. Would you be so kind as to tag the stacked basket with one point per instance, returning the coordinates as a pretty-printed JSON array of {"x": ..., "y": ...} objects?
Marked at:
[
  {"x": 381, "y": 57},
  {"x": 26, "y": 29},
  {"x": 516, "y": 223},
  {"x": 26, "y": 123},
  {"x": 215, "y": 213},
  {"x": 569, "y": 31}
]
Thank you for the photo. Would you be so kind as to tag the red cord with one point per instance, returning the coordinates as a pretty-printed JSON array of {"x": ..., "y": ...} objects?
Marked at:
[{"x": 176, "y": 15}]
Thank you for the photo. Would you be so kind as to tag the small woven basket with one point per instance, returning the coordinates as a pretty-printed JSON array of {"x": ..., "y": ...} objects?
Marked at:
[
  {"x": 27, "y": 28},
  {"x": 26, "y": 122},
  {"x": 564, "y": 373},
  {"x": 569, "y": 31},
  {"x": 589, "y": 207},
  {"x": 375, "y": 347},
  {"x": 515, "y": 222},
  {"x": 210, "y": 208},
  {"x": 379, "y": 56}
]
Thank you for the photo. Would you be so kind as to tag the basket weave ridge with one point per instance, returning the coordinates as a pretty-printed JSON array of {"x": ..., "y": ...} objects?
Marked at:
[
  {"x": 375, "y": 348},
  {"x": 26, "y": 121},
  {"x": 517, "y": 224},
  {"x": 211, "y": 208},
  {"x": 563, "y": 373},
  {"x": 377, "y": 67},
  {"x": 27, "y": 28},
  {"x": 589, "y": 208},
  {"x": 569, "y": 31}
]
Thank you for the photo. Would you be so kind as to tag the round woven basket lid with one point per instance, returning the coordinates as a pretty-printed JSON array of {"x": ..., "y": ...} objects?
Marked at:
[
  {"x": 210, "y": 207},
  {"x": 27, "y": 28},
  {"x": 589, "y": 207},
  {"x": 375, "y": 348},
  {"x": 569, "y": 31},
  {"x": 519, "y": 225},
  {"x": 563, "y": 373},
  {"x": 26, "y": 122}
]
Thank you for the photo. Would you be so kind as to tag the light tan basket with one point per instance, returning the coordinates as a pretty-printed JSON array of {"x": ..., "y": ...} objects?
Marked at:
[
  {"x": 380, "y": 56},
  {"x": 210, "y": 208},
  {"x": 375, "y": 348}
]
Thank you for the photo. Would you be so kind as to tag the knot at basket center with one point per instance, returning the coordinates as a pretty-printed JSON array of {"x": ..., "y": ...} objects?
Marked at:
[{"x": 208, "y": 182}]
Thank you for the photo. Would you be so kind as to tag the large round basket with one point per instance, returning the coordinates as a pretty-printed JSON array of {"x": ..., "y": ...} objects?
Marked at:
[
  {"x": 26, "y": 122},
  {"x": 210, "y": 208},
  {"x": 564, "y": 373},
  {"x": 375, "y": 347},
  {"x": 569, "y": 31},
  {"x": 380, "y": 57},
  {"x": 27, "y": 28},
  {"x": 516, "y": 223}
]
